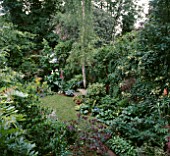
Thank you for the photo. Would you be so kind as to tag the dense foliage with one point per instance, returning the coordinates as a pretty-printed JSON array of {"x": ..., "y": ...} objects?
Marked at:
[
  {"x": 24, "y": 122},
  {"x": 33, "y": 16},
  {"x": 59, "y": 46}
]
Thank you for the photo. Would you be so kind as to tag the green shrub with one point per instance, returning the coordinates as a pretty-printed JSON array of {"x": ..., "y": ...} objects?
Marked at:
[
  {"x": 74, "y": 83},
  {"x": 19, "y": 45},
  {"x": 42, "y": 130},
  {"x": 121, "y": 146},
  {"x": 148, "y": 149},
  {"x": 12, "y": 136},
  {"x": 94, "y": 93},
  {"x": 108, "y": 108},
  {"x": 3, "y": 59},
  {"x": 141, "y": 123},
  {"x": 47, "y": 135},
  {"x": 96, "y": 90},
  {"x": 60, "y": 140},
  {"x": 53, "y": 80}
]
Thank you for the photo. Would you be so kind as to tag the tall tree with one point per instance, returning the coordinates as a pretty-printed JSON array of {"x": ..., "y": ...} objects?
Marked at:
[
  {"x": 83, "y": 42},
  {"x": 81, "y": 14},
  {"x": 109, "y": 17},
  {"x": 119, "y": 17},
  {"x": 86, "y": 32},
  {"x": 155, "y": 41},
  {"x": 34, "y": 16}
]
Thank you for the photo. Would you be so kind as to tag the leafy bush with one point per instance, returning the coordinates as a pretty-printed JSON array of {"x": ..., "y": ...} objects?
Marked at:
[
  {"x": 44, "y": 133},
  {"x": 37, "y": 87},
  {"x": 96, "y": 90},
  {"x": 58, "y": 142},
  {"x": 109, "y": 108},
  {"x": 10, "y": 78},
  {"x": 85, "y": 109},
  {"x": 12, "y": 138},
  {"x": 112, "y": 62},
  {"x": 53, "y": 80},
  {"x": 51, "y": 136},
  {"x": 29, "y": 68},
  {"x": 17, "y": 44},
  {"x": 62, "y": 51},
  {"x": 3, "y": 59},
  {"x": 48, "y": 59},
  {"x": 121, "y": 146},
  {"x": 52, "y": 61},
  {"x": 94, "y": 93},
  {"x": 74, "y": 83},
  {"x": 99, "y": 70},
  {"x": 148, "y": 149},
  {"x": 144, "y": 127}
]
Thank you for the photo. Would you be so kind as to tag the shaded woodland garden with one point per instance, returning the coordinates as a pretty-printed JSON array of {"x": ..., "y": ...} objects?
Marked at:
[{"x": 51, "y": 48}]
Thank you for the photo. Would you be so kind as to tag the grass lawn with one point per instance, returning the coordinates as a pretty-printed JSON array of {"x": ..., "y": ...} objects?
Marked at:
[{"x": 63, "y": 105}]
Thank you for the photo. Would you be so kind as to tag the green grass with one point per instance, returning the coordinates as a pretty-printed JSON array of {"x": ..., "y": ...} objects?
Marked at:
[{"x": 64, "y": 106}]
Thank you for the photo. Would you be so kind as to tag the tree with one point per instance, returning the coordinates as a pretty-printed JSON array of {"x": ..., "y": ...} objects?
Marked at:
[
  {"x": 68, "y": 21},
  {"x": 116, "y": 17},
  {"x": 155, "y": 43},
  {"x": 108, "y": 16},
  {"x": 85, "y": 34},
  {"x": 16, "y": 45},
  {"x": 34, "y": 16},
  {"x": 81, "y": 14}
]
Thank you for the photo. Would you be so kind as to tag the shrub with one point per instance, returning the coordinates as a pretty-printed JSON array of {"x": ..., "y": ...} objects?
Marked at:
[
  {"x": 74, "y": 83},
  {"x": 46, "y": 135},
  {"x": 121, "y": 146},
  {"x": 148, "y": 149},
  {"x": 96, "y": 90},
  {"x": 141, "y": 123},
  {"x": 108, "y": 108},
  {"x": 94, "y": 93},
  {"x": 18, "y": 46},
  {"x": 49, "y": 135},
  {"x": 12, "y": 138}
]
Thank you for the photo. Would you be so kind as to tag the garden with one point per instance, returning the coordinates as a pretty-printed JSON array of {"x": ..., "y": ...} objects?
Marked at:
[{"x": 78, "y": 79}]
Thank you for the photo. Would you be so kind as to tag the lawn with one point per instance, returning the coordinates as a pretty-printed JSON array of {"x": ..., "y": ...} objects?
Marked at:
[{"x": 63, "y": 105}]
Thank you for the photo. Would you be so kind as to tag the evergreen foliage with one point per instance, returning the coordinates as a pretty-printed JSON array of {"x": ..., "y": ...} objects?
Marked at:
[{"x": 33, "y": 16}]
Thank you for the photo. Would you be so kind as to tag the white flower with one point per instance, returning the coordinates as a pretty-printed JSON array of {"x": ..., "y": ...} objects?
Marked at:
[
  {"x": 54, "y": 60},
  {"x": 20, "y": 94},
  {"x": 52, "y": 55}
]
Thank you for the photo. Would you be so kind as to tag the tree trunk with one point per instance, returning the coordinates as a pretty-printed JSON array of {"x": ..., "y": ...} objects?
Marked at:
[
  {"x": 84, "y": 75},
  {"x": 83, "y": 44}
]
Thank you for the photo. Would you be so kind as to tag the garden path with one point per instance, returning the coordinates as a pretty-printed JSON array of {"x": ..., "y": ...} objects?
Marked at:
[{"x": 80, "y": 91}]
